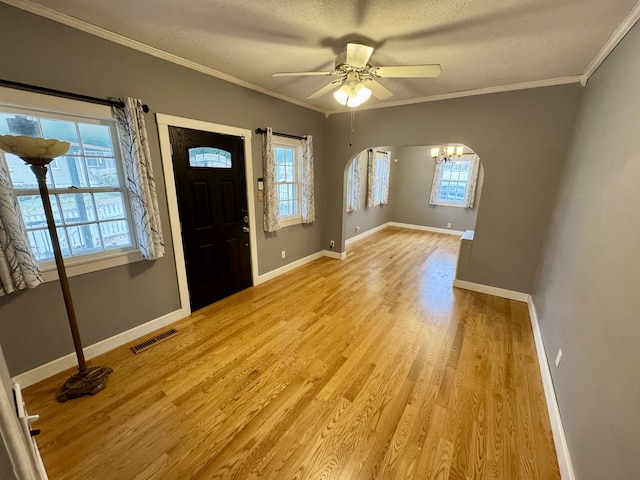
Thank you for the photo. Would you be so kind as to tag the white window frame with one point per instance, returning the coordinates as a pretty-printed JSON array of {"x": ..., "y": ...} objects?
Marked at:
[
  {"x": 473, "y": 161},
  {"x": 296, "y": 146},
  {"x": 12, "y": 100}
]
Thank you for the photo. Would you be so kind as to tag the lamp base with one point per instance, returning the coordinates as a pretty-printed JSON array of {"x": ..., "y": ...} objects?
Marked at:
[{"x": 85, "y": 382}]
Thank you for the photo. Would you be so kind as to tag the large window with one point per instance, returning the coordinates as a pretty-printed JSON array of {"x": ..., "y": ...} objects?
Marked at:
[
  {"x": 89, "y": 200},
  {"x": 454, "y": 182},
  {"x": 287, "y": 155}
]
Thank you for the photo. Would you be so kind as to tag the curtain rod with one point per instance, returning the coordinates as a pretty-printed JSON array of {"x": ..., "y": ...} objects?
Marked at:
[
  {"x": 62, "y": 94},
  {"x": 262, "y": 131}
]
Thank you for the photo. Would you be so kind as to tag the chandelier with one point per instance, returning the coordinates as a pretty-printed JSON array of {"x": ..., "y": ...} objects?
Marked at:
[{"x": 449, "y": 153}]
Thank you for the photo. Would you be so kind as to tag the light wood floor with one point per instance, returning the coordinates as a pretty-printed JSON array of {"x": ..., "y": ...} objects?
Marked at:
[{"x": 373, "y": 367}]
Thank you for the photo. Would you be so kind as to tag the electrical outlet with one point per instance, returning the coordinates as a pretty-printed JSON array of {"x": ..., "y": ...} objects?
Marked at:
[
  {"x": 332, "y": 244},
  {"x": 558, "y": 358},
  {"x": 284, "y": 254},
  {"x": 448, "y": 225},
  {"x": 357, "y": 229}
]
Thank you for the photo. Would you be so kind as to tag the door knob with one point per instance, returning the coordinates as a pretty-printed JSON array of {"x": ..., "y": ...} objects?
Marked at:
[{"x": 245, "y": 229}]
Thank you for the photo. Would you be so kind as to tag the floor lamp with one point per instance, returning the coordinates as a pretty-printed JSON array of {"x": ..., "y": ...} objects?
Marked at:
[{"x": 38, "y": 153}]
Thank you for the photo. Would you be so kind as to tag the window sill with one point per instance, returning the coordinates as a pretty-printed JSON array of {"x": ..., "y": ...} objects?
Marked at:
[
  {"x": 81, "y": 266},
  {"x": 444, "y": 204},
  {"x": 290, "y": 221}
]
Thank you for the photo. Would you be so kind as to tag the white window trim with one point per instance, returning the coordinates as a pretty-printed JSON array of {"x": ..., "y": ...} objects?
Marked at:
[
  {"x": 291, "y": 220},
  {"x": 81, "y": 264},
  {"x": 474, "y": 160}
]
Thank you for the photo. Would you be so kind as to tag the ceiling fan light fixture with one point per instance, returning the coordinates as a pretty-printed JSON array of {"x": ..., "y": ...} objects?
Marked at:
[
  {"x": 352, "y": 95},
  {"x": 360, "y": 95},
  {"x": 342, "y": 94}
]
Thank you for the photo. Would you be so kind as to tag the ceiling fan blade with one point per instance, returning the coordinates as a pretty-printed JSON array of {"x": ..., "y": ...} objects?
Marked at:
[
  {"x": 302, "y": 74},
  {"x": 425, "y": 71},
  {"x": 377, "y": 90},
  {"x": 326, "y": 89},
  {"x": 358, "y": 55}
]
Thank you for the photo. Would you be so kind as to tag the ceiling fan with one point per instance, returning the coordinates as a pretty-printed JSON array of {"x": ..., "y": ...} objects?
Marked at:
[{"x": 357, "y": 77}]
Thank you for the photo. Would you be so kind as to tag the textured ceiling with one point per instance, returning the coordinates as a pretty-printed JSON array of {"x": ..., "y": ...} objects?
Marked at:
[{"x": 480, "y": 44}]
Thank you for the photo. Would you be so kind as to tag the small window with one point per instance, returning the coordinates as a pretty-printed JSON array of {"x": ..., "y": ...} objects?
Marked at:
[
  {"x": 209, "y": 157},
  {"x": 287, "y": 157},
  {"x": 454, "y": 182}
]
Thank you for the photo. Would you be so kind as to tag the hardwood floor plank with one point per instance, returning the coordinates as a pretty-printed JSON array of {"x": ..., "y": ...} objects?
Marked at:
[{"x": 372, "y": 367}]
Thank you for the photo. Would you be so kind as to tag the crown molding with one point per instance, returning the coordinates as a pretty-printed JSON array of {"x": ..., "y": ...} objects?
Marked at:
[
  {"x": 616, "y": 37},
  {"x": 470, "y": 93},
  {"x": 144, "y": 48},
  {"x": 620, "y": 32}
]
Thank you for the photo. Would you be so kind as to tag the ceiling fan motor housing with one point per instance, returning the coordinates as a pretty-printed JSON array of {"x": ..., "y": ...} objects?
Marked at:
[{"x": 341, "y": 60}]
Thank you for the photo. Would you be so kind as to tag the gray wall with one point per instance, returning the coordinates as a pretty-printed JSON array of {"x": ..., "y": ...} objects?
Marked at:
[
  {"x": 33, "y": 325},
  {"x": 368, "y": 218},
  {"x": 411, "y": 188},
  {"x": 586, "y": 293},
  {"x": 522, "y": 138},
  {"x": 410, "y": 183}
]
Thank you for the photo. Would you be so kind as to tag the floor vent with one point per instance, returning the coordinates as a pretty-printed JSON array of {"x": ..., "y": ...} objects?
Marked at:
[{"x": 150, "y": 342}]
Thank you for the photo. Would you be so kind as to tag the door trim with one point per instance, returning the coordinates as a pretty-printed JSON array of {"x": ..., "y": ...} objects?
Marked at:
[{"x": 166, "y": 121}]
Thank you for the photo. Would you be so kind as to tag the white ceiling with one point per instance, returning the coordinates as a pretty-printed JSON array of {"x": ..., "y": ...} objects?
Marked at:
[{"x": 480, "y": 44}]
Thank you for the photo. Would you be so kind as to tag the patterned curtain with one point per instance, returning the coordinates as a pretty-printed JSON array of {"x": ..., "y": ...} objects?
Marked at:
[
  {"x": 371, "y": 179},
  {"x": 353, "y": 184},
  {"x": 271, "y": 206},
  {"x": 138, "y": 174},
  {"x": 18, "y": 266},
  {"x": 384, "y": 168},
  {"x": 475, "y": 169},
  {"x": 308, "y": 202}
]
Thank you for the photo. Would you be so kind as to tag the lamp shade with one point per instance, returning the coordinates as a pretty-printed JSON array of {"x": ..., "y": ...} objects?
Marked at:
[
  {"x": 359, "y": 95},
  {"x": 342, "y": 95},
  {"x": 33, "y": 147}
]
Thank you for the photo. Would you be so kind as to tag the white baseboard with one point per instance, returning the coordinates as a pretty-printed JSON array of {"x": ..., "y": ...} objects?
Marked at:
[
  {"x": 410, "y": 226},
  {"x": 498, "y": 292},
  {"x": 447, "y": 231},
  {"x": 362, "y": 235},
  {"x": 562, "y": 450},
  {"x": 288, "y": 267},
  {"x": 336, "y": 255},
  {"x": 61, "y": 364}
]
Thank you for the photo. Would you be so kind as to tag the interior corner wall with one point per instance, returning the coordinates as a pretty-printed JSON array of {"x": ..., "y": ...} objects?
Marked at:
[
  {"x": 586, "y": 292},
  {"x": 411, "y": 188},
  {"x": 33, "y": 323},
  {"x": 522, "y": 139}
]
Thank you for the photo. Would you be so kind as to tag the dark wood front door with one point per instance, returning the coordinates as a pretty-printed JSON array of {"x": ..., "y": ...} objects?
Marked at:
[{"x": 212, "y": 199}]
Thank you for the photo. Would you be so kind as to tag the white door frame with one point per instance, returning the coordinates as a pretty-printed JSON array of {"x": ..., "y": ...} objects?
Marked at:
[{"x": 166, "y": 121}]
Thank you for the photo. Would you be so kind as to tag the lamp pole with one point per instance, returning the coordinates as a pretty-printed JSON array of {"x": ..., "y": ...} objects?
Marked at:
[{"x": 39, "y": 168}]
